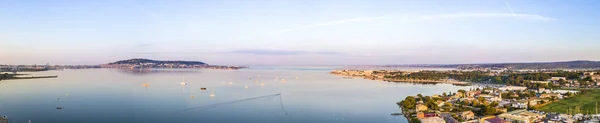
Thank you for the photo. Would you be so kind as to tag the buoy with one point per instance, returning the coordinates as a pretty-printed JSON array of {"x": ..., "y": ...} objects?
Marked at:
[
  {"x": 57, "y": 98},
  {"x": 68, "y": 94},
  {"x": 192, "y": 96},
  {"x": 246, "y": 86}
]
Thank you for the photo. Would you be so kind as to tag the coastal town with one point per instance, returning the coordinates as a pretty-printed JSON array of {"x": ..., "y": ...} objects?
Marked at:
[
  {"x": 497, "y": 96},
  {"x": 8, "y": 72},
  {"x": 124, "y": 64}
]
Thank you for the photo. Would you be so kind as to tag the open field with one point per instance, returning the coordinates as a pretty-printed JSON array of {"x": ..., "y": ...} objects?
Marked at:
[{"x": 587, "y": 103}]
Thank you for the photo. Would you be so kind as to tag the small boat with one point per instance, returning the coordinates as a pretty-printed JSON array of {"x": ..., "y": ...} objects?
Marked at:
[
  {"x": 59, "y": 108},
  {"x": 246, "y": 86},
  {"x": 263, "y": 84},
  {"x": 203, "y": 89},
  {"x": 183, "y": 83},
  {"x": 230, "y": 83},
  {"x": 57, "y": 98},
  {"x": 283, "y": 80},
  {"x": 396, "y": 114},
  {"x": 192, "y": 96},
  {"x": 213, "y": 93},
  {"x": 68, "y": 94}
]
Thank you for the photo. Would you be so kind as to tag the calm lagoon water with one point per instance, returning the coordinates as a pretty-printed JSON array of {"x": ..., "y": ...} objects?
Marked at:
[{"x": 310, "y": 94}]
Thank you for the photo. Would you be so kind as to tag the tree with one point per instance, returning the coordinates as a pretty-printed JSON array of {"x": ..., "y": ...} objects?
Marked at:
[
  {"x": 415, "y": 120},
  {"x": 444, "y": 94},
  {"x": 462, "y": 91},
  {"x": 562, "y": 81},
  {"x": 409, "y": 102},
  {"x": 587, "y": 78},
  {"x": 494, "y": 104},
  {"x": 489, "y": 110},
  {"x": 498, "y": 79}
]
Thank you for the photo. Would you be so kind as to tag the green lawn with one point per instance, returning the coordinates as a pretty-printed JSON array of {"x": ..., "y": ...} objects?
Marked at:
[{"x": 585, "y": 101}]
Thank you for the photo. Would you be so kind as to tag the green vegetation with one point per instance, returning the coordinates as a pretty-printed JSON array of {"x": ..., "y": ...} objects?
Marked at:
[
  {"x": 585, "y": 102},
  {"x": 508, "y": 77}
]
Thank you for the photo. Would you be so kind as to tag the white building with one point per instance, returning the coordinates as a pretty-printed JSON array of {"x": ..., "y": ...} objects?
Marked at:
[
  {"x": 513, "y": 88},
  {"x": 557, "y": 78},
  {"x": 432, "y": 120}
]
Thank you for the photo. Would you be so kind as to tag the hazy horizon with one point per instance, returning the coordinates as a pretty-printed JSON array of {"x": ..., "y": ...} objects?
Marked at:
[{"x": 299, "y": 32}]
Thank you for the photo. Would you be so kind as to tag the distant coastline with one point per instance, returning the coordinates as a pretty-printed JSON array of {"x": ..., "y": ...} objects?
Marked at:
[{"x": 122, "y": 64}]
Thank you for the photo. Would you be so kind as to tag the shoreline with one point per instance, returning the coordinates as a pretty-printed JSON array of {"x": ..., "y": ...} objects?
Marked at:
[{"x": 408, "y": 80}]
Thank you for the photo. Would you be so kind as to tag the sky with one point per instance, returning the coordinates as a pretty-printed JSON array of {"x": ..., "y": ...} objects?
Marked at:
[{"x": 299, "y": 32}]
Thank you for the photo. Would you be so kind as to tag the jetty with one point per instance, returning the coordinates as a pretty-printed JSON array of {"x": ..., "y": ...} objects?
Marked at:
[
  {"x": 7, "y": 76},
  {"x": 35, "y": 77}
]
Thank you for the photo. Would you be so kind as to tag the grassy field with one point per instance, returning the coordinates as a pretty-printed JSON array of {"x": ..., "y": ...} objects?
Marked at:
[{"x": 586, "y": 101}]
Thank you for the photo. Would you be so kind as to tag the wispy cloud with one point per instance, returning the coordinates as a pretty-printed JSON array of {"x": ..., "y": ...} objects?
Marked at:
[
  {"x": 280, "y": 52},
  {"x": 421, "y": 18},
  {"x": 484, "y": 15},
  {"x": 360, "y": 19}
]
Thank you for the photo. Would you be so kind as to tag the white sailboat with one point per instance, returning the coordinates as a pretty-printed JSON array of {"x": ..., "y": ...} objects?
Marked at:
[
  {"x": 183, "y": 83},
  {"x": 213, "y": 93}
]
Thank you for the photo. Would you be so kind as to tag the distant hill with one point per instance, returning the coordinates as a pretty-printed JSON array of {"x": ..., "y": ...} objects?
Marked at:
[
  {"x": 144, "y": 61},
  {"x": 538, "y": 65}
]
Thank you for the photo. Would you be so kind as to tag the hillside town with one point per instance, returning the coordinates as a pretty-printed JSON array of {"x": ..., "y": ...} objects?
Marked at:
[
  {"x": 514, "y": 104},
  {"x": 497, "y": 96}
]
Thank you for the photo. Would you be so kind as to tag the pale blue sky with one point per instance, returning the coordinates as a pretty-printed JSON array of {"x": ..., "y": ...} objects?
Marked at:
[{"x": 299, "y": 32}]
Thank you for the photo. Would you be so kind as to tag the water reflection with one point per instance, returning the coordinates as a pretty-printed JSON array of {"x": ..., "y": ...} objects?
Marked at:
[
  {"x": 146, "y": 71},
  {"x": 111, "y": 95}
]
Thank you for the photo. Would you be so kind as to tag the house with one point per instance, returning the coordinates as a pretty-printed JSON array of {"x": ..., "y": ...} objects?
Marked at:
[
  {"x": 473, "y": 93},
  {"x": 565, "y": 91},
  {"x": 440, "y": 103},
  {"x": 541, "y": 82},
  {"x": 521, "y": 116},
  {"x": 467, "y": 115},
  {"x": 493, "y": 119},
  {"x": 513, "y": 88},
  {"x": 421, "y": 107},
  {"x": 420, "y": 115},
  {"x": 432, "y": 120},
  {"x": 426, "y": 115},
  {"x": 519, "y": 104},
  {"x": 550, "y": 95},
  {"x": 533, "y": 102},
  {"x": 557, "y": 78}
]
